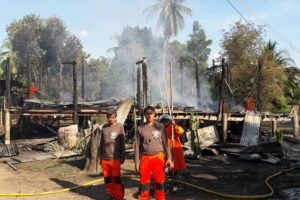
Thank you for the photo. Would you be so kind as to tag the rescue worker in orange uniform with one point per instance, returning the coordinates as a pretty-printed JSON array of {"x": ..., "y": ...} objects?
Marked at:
[
  {"x": 112, "y": 155},
  {"x": 178, "y": 156},
  {"x": 151, "y": 147},
  {"x": 249, "y": 103},
  {"x": 32, "y": 90}
]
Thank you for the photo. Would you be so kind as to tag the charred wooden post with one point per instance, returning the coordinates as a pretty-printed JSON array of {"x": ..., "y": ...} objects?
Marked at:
[
  {"x": 7, "y": 104},
  {"x": 198, "y": 84},
  {"x": 133, "y": 75},
  {"x": 145, "y": 82},
  {"x": 139, "y": 92},
  {"x": 274, "y": 126},
  {"x": 28, "y": 77},
  {"x": 82, "y": 78},
  {"x": 225, "y": 127},
  {"x": 75, "y": 94},
  {"x": 7, "y": 93},
  {"x": 7, "y": 127},
  {"x": 222, "y": 101},
  {"x": 259, "y": 85},
  {"x": 295, "y": 109},
  {"x": 1, "y": 117}
]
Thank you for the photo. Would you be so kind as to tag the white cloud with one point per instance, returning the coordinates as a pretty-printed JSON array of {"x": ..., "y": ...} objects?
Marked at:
[{"x": 82, "y": 33}]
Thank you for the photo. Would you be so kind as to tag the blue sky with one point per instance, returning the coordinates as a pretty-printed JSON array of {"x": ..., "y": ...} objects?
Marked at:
[{"x": 95, "y": 22}]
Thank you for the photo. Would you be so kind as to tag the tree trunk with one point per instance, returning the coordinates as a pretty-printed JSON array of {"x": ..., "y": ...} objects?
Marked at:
[{"x": 92, "y": 164}]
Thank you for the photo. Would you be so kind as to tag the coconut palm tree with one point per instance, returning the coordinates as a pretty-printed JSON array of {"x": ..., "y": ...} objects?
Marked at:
[
  {"x": 7, "y": 53},
  {"x": 280, "y": 72},
  {"x": 280, "y": 58},
  {"x": 170, "y": 20}
]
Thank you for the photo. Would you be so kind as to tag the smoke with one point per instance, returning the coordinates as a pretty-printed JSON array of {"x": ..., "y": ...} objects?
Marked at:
[{"x": 136, "y": 43}]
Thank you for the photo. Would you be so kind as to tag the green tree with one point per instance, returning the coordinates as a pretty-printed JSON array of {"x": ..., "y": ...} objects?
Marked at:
[
  {"x": 25, "y": 36},
  {"x": 275, "y": 77},
  {"x": 7, "y": 53},
  {"x": 40, "y": 46},
  {"x": 280, "y": 80},
  {"x": 198, "y": 45},
  {"x": 279, "y": 58},
  {"x": 292, "y": 84},
  {"x": 241, "y": 47}
]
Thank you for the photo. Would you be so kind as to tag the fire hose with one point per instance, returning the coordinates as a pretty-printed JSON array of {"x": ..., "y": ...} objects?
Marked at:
[{"x": 210, "y": 191}]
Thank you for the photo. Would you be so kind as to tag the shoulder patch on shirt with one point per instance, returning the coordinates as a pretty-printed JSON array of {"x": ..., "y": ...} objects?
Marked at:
[
  {"x": 113, "y": 135},
  {"x": 156, "y": 134}
]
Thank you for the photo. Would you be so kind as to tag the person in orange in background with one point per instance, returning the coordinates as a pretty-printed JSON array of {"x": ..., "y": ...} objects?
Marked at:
[
  {"x": 249, "y": 103},
  {"x": 151, "y": 146},
  {"x": 178, "y": 156},
  {"x": 32, "y": 90},
  {"x": 112, "y": 155}
]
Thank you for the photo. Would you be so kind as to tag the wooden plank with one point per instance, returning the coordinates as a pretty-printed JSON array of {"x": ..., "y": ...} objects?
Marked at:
[{"x": 40, "y": 156}]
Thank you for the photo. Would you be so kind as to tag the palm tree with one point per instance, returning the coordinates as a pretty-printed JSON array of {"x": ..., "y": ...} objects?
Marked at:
[
  {"x": 278, "y": 57},
  {"x": 170, "y": 16},
  {"x": 170, "y": 21},
  {"x": 7, "y": 53},
  {"x": 280, "y": 73}
]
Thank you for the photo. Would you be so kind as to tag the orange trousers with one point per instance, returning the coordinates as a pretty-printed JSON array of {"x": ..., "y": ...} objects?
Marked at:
[
  {"x": 112, "y": 178},
  {"x": 152, "y": 164}
]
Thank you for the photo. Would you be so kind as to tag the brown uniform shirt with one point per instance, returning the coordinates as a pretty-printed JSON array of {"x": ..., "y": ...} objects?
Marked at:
[
  {"x": 112, "y": 144},
  {"x": 151, "y": 140}
]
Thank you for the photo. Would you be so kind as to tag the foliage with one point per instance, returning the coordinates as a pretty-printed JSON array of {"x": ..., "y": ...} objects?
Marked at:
[
  {"x": 7, "y": 53},
  {"x": 198, "y": 45},
  {"x": 279, "y": 136},
  {"x": 194, "y": 124},
  {"x": 170, "y": 16},
  {"x": 98, "y": 77},
  {"x": 275, "y": 81},
  {"x": 241, "y": 47},
  {"x": 292, "y": 84},
  {"x": 40, "y": 46}
]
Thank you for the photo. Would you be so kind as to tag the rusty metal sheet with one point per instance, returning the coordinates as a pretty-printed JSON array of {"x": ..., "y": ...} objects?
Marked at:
[{"x": 251, "y": 128}]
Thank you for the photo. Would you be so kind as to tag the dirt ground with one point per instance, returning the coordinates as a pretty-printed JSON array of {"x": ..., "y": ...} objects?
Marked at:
[{"x": 220, "y": 173}]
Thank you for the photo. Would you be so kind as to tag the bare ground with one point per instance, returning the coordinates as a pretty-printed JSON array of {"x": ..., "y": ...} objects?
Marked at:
[{"x": 220, "y": 173}]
